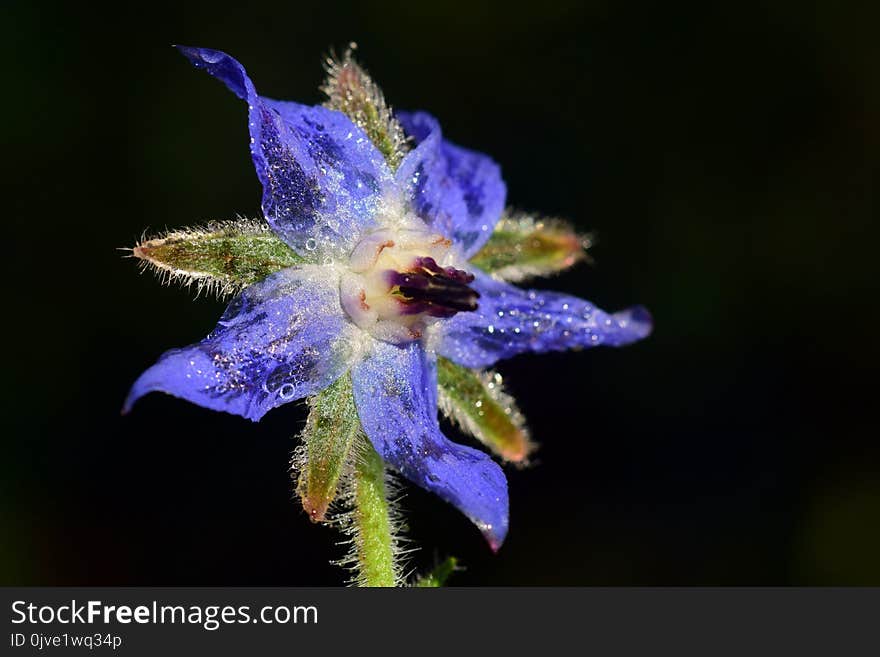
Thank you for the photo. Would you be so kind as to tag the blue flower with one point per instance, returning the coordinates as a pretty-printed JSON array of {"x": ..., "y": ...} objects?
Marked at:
[{"x": 386, "y": 288}]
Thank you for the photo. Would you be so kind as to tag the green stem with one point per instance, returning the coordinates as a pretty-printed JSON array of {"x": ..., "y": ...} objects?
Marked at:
[{"x": 374, "y": 537}]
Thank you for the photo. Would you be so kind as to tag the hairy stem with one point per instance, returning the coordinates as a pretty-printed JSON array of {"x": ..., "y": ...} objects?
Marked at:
[{"x": 373, "y": 521}]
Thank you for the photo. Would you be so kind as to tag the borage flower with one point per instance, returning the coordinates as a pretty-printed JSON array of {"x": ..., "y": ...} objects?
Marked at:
[{"x": 383, "y": 267}]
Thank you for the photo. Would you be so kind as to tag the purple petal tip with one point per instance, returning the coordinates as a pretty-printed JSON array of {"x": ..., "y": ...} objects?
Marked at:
[
  {"x": 494, "y": 534},
  {"x": 222, "y": 66},
  {"x": 494, "y": 543},
  {"x": 640, "y": 320}
]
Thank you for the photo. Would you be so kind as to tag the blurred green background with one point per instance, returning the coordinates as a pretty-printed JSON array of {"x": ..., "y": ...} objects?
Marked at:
[{"x": 726, "y": 156}]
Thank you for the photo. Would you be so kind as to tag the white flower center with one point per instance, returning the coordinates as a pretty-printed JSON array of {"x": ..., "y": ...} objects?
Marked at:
[{"x": 399, "y": 281}]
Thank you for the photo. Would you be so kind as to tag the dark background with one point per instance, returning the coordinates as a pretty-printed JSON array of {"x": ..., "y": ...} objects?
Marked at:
[{"x": 724, "y": 154}]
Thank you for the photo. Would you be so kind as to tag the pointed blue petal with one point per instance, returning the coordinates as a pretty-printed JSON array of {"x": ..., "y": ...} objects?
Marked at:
[
  {"x": 323, "y": 180},
  {"x": 395, "y": 389},
  {"x": 511, "y": 321},
  {"x": 279, "y": 340},
  {"x": 458, "y": 192}
]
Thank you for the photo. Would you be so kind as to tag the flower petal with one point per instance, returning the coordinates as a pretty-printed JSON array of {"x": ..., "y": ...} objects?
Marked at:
[
  {"x": 323, "y": 179},
  {"x": 279, "y": 340},
  {"x": 396, "y": 393},
  {"x": 511, "y": 321},
  {"x": 457, "y": 191}
]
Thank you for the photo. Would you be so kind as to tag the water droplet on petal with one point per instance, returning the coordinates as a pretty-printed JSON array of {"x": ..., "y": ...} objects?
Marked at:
[{"x": 211, "y": 57}]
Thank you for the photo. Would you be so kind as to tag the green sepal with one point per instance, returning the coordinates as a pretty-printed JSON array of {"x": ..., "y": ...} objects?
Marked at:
[
  {"x": 330, "y": 431},
  {"x": 351, "y": 90},
  {"x": 438, "y": 576},
  {"x": 221, "y": 257},
  {"x": 475, "y": 400},
  {"x": 523, "y": 246}
]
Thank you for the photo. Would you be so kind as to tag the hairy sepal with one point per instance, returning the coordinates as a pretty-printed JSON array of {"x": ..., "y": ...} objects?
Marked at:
[
  {"x": 220, "y": 258},
  {"x": 351, "y": 90},
  {"x": 523, "y": 246},
  {"x": 330, "y": 432},
  {"x": 475, "y": 401}
]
